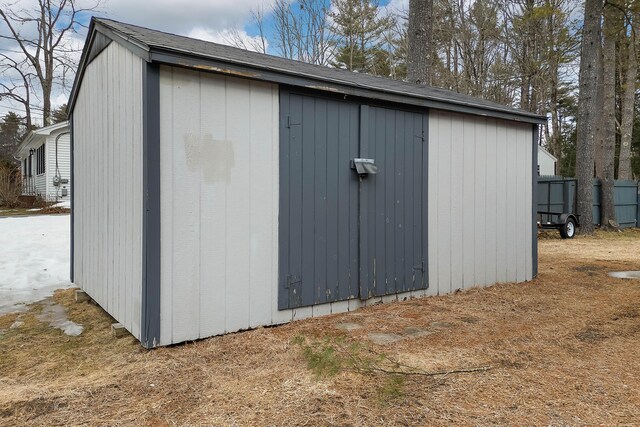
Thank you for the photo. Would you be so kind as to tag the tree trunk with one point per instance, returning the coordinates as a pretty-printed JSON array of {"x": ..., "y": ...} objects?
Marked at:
[
  {"x": 420, "y": 41},
  {"x": 587, "y": 111},
  {"x": 628, "y": 106},
  {"x": 608, "y": 147}
]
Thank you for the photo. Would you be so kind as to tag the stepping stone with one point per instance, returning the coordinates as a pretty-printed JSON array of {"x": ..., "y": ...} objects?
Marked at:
[
  {"x": 412, "y": 331},
  {"x": 345, "y": 326},
  {"x": 441, "y": 325},
  {"x": 383, "y": 339}
]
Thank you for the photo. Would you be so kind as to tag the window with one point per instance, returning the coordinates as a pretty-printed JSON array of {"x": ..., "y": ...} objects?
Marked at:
[{"x": 40, "y": 160}]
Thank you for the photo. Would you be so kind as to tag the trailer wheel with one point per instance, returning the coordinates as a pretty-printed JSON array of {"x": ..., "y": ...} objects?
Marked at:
[{"x": 568, "y": 229}]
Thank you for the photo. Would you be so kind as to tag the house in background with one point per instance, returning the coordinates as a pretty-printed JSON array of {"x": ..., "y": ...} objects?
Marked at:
[
  {"x": 546, "y": 162},
  {"x": 45, "y": 162}
]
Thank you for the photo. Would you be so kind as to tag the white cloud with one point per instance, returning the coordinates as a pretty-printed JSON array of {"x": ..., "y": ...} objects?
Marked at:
[
  {"x": 182, "y": 17},
  {"x": 220, "y": 21},
  {"x": 232, "y": 37}
]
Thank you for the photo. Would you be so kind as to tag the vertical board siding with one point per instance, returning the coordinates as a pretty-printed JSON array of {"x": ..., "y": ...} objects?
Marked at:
[
  {"x": 322, "y": 200},
  {"x": 318, "y": 203},
  {"x": 395, "y": 208},
  {"x": 108, "y": 184},
  {"x": 219, "y": 184},
  {"x": 480, "y": 189}
]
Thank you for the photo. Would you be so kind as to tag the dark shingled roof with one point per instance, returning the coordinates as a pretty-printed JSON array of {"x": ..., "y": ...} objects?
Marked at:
[{"x": 184, "y": 51}]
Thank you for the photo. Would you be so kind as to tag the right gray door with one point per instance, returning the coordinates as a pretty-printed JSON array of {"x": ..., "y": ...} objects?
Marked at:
[{"x": 393, "y": 203}]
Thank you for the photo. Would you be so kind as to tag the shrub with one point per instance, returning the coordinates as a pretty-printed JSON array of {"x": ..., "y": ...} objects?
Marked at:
[{"x": 10, "y": 185}]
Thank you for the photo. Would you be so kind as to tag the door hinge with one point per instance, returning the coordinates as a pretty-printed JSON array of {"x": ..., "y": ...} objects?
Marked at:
[
  {"x": 292, "y": 280},
  {"x": 419, "y": 267},
  {"x": 290, "y": 123}
]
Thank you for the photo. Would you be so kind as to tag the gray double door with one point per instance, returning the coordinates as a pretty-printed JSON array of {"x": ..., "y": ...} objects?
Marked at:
[{"x": 342, "y": 235}]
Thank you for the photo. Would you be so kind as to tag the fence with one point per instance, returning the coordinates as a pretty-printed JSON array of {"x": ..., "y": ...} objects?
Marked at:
[{"x": 558, "y": 194}]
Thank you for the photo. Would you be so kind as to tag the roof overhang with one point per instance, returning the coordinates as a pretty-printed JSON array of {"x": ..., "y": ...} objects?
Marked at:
[
  {"x": 37, "y": 137},
  {"x": 99, "y": 36},
  {"x": 204, "y": 62}
]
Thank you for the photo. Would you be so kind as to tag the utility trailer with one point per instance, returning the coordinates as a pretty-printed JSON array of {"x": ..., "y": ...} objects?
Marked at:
[{"x": 565, "y": 223}]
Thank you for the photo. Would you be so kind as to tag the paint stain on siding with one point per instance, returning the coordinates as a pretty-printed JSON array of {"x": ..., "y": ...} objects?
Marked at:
[{"x": 215, "y": 158}]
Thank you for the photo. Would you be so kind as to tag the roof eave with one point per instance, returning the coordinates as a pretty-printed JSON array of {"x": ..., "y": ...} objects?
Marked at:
[
  {"x": 95, "y": 26},
  {"x": 197, "y": 60},
  {"x": 193, "y": 60},
  {"x": 31, "y": 139}
]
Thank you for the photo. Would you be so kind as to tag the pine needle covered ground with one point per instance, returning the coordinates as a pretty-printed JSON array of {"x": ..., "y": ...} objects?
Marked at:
[{"x": 563, "y": 349}]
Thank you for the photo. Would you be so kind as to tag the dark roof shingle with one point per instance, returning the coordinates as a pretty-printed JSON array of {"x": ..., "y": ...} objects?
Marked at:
[{"x": 158, "y": 40}]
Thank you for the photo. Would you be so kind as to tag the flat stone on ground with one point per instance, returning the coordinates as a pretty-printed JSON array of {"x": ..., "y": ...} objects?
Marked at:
[
  {"x": 441, "y": 325},
  {"x": 412, "y": 331},
  {"x": 118, "y": 330},
  {"x": 383, "y": 339},
  {"x": 346, "y": 326}
]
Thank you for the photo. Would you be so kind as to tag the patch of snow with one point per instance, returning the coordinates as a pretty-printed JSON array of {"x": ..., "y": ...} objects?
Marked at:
[
  {"x": 56, "y": 316},
  {"x": 16, "y": 324},
  {"x": 35, "y": 259},
  {"x": 625, "y": 274},
  {"x": 33, "y": 210},
  {"x": 63, "y": 204}
]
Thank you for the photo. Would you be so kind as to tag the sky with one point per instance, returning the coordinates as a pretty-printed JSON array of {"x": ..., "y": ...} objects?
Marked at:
[{"x": 211, "y": 20}]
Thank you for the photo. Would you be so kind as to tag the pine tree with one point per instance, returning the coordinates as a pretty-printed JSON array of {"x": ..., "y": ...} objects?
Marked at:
[
  {"x": 359, "y": 30},
  {"x": 12, "y": 130}
]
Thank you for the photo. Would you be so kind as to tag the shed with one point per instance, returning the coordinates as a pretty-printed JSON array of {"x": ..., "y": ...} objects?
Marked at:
[
  {"x": 45, "y": 165},
  {"x": 217, "y": 190}
]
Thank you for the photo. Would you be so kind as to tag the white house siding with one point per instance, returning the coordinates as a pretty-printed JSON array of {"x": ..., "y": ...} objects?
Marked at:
[
  {"x": 107, "y": 122},
  {"x": 40, "y": 182},
  {"x": 64, "y": 165},
  {"x": 546, "y": 162},
  {"x": 480, "y": 184}
]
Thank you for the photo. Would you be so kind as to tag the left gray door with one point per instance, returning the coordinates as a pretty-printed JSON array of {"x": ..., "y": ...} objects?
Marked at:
[{"x": 318, "y": 223}]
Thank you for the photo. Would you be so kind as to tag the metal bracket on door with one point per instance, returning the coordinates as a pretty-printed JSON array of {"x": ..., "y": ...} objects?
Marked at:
[{"x": 289, "y": 123}]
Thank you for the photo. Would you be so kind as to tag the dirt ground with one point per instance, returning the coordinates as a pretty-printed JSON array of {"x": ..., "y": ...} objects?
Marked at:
[{"x": 561, "y": 350}]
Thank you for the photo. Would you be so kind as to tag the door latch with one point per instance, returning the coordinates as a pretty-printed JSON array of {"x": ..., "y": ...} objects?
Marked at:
[{"x": 364, "y": 167}]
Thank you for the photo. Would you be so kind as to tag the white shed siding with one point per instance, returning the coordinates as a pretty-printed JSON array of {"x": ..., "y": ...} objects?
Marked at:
[
  {"x": 64, "y": 165},
  {"x": 107, "y": 122},
  {"x": 480, "y": 184},
  {"x": 219, "y": 204}
]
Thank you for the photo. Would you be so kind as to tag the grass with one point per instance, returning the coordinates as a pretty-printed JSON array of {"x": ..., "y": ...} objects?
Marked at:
[
  {"x": 562, "y": 350},
  {"x": 48, "y": 210}
]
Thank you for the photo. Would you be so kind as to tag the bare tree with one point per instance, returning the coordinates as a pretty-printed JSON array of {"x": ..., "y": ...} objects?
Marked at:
[
  {"x": 612, "y": 21},
  {"x": 629, "y": 98},
  {"x": 39, "y": 55},
  {"x": 587, "y": 111},
  {"x": 301, "y": 31},
  {"x": 420, "y": 34},
  {"x": 257, "y": 44}
]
